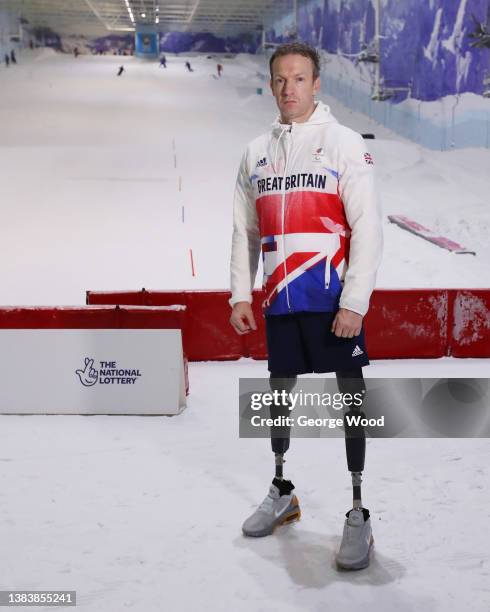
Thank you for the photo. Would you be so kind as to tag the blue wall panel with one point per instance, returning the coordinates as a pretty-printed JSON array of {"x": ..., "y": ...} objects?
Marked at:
[
  {"x": 146, "y": 44},
  {"x": 424, "y": 44},
  {"x": 190, "y": 42}
]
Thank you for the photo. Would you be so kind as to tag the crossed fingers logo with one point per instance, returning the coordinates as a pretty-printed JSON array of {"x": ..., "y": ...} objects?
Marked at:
[{"x": 89, "y": 375}]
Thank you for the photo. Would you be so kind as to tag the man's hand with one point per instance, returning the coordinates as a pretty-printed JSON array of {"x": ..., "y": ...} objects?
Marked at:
[
  {"x": 347, "y": 324},
  {"x": 242, "y": 318}
]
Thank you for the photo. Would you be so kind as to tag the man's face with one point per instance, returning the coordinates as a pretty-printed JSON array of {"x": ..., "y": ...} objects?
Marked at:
[{"x": 293, "y": 87}]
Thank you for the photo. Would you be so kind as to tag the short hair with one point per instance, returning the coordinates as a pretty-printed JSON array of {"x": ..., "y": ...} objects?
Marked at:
[{"x": 298, "y": 48}]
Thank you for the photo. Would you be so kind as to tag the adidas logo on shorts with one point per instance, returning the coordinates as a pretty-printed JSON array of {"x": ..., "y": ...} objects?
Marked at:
[{"x": 357, "y": 351}]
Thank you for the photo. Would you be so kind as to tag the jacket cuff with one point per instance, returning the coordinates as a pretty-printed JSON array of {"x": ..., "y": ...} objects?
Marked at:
[
  {"x": 358, "y": 306},
  {"x": 246, "y": 297}
]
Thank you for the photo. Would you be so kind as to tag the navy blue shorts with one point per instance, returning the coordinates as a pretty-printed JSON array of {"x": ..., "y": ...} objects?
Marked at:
[{"x": 302, "y": 342}]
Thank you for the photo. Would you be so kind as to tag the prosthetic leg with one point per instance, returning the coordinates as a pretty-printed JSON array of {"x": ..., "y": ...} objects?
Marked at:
[
  {"x": 280, "y": 506},
  {"x": 352, "y": 381},
  {"x": 357, "y": 540},
  {"x": 280, "y": 436}
]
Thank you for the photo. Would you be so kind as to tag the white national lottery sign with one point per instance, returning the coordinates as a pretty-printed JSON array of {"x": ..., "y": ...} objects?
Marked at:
[{"x": 91, "y": 371}]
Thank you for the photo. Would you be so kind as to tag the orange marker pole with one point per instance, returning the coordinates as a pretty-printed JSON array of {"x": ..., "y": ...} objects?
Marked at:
[{"x": 192, "y": 263}]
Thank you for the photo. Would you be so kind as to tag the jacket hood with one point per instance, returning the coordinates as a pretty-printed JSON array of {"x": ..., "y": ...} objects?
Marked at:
[{"x": 322, "y": 114}]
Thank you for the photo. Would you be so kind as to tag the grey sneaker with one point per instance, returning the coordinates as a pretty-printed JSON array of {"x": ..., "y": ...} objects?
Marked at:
[
  {"x": 280, "y": 506},
  {"x": 357, "y": 541}
]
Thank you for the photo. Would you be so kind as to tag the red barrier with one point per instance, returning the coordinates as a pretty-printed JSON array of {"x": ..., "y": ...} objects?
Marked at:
[
  {"x": 206, "y": 330},
  {"x": 470, "y": 323},
  {"x": 208, "y": 327},
  {"x": 91, "y": 317},
  {"x": 400, "y": 324}
]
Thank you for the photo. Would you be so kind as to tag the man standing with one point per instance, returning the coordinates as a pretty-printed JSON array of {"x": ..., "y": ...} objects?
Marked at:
[{"x": 305, "y": 198}]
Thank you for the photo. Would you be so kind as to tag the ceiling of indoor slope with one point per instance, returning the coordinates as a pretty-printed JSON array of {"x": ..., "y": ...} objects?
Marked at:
[{"x": 220, "y": 17}]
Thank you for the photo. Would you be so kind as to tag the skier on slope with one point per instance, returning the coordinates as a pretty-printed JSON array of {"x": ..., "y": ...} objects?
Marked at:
[{"x": 305, "y": 197}]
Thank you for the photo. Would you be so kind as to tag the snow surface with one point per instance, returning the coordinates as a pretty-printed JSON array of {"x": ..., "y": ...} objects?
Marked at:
[
  {"x": 144, "y": 513},
  {"x": 90, "y": 192}
]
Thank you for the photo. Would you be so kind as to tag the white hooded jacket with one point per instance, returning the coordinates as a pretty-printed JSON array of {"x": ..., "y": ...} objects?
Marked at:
[{"x": 305, "y": 198}]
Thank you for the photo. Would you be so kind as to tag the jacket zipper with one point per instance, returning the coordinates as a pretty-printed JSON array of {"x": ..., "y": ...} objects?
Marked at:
[{"x": 286, "y": 160}]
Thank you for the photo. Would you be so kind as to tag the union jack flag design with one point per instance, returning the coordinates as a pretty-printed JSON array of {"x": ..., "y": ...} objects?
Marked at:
[
  {"x": 303, "y": 263},
  {"x": 368, "y": 159}
]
